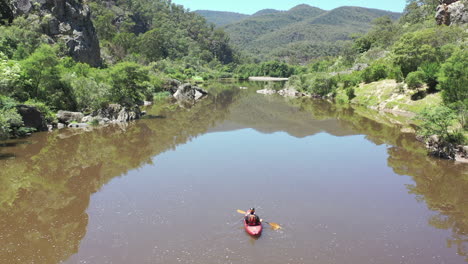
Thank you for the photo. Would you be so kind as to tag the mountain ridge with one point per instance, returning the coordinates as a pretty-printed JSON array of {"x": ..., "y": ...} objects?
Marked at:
[{"x": 263, "y": 35}]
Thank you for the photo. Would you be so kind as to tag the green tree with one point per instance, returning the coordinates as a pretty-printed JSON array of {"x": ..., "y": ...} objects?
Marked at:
[
  {"x": 46, "y": 85},
  {"x": 436, "y": 121},
  {"x": 128, "y": 83},
  {"x": 453, "y": 78},
  {"x": 425, "y": 46}
]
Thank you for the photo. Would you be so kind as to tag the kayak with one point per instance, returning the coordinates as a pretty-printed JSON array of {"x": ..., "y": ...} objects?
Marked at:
[{"x": 253, "y": 230}]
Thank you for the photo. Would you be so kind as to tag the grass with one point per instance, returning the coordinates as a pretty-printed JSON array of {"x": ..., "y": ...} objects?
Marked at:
[{"x": 385, "y": 95}]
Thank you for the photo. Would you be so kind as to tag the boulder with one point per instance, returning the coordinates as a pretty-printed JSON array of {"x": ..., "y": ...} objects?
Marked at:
[
  {"x": 458, "y": 13},
  {"x": 452, "y": 12},
  {"x": 290, "y": 92},
  {"x": 32, "y": 117},
  {"x": 68, "y": 117},
  {"x": 189, "y": 93},
  {"x": 266, "y": 91},
  {"x": 118, "y": 113}
]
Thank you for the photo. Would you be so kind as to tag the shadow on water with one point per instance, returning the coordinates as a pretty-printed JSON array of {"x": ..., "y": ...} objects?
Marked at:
[
  {"x": 45, "y": 191},
  {"x": 4, "y": 156}
]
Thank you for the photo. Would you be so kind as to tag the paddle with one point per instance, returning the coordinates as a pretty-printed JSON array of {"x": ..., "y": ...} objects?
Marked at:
[{"x": 275, "y": 226}]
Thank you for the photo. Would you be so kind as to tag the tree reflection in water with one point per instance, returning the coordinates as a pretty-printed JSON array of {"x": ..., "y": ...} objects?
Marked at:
[{"x": 45, "y": 191}]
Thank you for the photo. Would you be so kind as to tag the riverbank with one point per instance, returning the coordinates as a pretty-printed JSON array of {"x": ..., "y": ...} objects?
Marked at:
[{"x": 397, "y": 105}]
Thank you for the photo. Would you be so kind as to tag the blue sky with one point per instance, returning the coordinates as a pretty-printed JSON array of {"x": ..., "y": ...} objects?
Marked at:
[{"x": 252, "y": 6}]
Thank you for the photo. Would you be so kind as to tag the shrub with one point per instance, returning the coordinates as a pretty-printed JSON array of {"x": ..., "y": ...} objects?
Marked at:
[
  {"x": 415, "y": 80},
  {"x": 323, "y": 85},
  {"x": 436, "y": 121},
  {"x": 430, "y": 71},
  {"x": 374, "y": 73},
  {"x": 453, "y": 78}
]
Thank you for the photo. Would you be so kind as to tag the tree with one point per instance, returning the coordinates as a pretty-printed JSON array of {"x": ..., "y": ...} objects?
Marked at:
[
  {"x": 424, "y": 46},
  {"x": 128, "y": 83},
  {"x": 453, "y": 78},
  {"x": 436, "y": 121},
  {"x": 46, "y": 85}
]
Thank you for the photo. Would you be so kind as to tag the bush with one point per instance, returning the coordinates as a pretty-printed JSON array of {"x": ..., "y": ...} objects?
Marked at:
[
  {"x": 415, "y": 48},
  {"x": 430, "y": 71},
  {"x": 436, "y": 121},
  {"x": 351, "y": 80},
  {"x": 374, "y": 73},
  {"x": 10, "y": 120},
  {"x": 323, "y": 85},
  {"x": 453, "y": 78},
  {"x": 415, "y": 80},
  {"x": 129, "y": 83}
]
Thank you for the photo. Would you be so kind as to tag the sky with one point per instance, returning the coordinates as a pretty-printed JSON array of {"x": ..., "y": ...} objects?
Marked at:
[{"x": 252, "y": 6}]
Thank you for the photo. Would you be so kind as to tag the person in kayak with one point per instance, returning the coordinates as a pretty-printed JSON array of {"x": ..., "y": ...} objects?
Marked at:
[{"x": 251, "y": 218}]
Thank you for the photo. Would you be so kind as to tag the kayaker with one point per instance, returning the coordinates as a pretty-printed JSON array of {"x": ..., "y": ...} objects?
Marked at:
[{"x": 251, "y": 218}]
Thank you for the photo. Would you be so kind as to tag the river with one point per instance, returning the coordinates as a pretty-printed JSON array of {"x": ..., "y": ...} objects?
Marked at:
[{"x": 165, "y": 189}]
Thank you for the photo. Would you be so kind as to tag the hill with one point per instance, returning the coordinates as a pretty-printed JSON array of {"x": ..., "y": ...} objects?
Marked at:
[
  {"x": 220, "y": 18},
  {"x": 286, "y": 34}
]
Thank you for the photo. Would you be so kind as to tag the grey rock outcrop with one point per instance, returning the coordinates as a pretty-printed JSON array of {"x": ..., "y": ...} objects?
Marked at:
[
  {"x": 117, "y": 113},
  {"x": 32, "y": 117},
  {"x": 452, "y": 12},
  {"x": 189, "y": 93},
  {"x": 266, "y": 91},
  {"x": 290, "y": 92},
  {"x": 67, "y": 21},
  {"x": 172, "y": 85},
  {"x": 67, "y": 117}
]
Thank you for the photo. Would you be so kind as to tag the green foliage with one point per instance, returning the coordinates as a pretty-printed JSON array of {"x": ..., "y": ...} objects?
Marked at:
[
  {"x": 351, "y": 80},
  {"x": 425, "y": 46},
  {"x": 270, "y": 68},
  {"x": 151, "y": 30},
  {"x": 453, "y": 78},
  {"x": 436, "y": 121},
  {"x": 129, "y": 83},
  {"x": 374, "y": 73},
  {"x": 42, "y": 68},
  {"x": 415, "y": 79},
  {"x": 417, "y": 11},
  {"x": 10, "y": 121},
  {"x": 221, "y": 18},
  {"x": 302, "y": 33},
  {"x": 431, "y": 71},
  {"x": 323, "y": 85}
]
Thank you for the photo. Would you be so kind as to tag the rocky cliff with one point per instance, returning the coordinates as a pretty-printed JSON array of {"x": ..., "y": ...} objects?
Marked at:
[
  {"x": 452, "y": 12},
  {"x": 67, "y": 21}
]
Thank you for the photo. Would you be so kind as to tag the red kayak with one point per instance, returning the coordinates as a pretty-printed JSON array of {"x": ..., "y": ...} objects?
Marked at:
[{"x": 253, "y": 230}]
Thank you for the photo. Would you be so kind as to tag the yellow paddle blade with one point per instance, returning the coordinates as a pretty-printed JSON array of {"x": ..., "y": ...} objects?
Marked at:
[
  {"x": 275, "y": 226},
  {"x": 241, "y": 212}
]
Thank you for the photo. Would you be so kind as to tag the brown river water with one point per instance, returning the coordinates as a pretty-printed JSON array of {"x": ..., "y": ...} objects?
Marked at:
[{"x": 165, "y": 189}]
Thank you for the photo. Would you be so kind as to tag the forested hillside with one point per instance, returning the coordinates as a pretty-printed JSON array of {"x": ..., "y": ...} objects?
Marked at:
[
  {"x": 48, "y": 50},
  {"x": 301, "y": 33},
  {"x": 220, "y": 18}
]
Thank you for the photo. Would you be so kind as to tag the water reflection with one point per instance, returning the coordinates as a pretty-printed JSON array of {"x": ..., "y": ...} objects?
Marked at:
[{"x": 46, "y": 184}]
